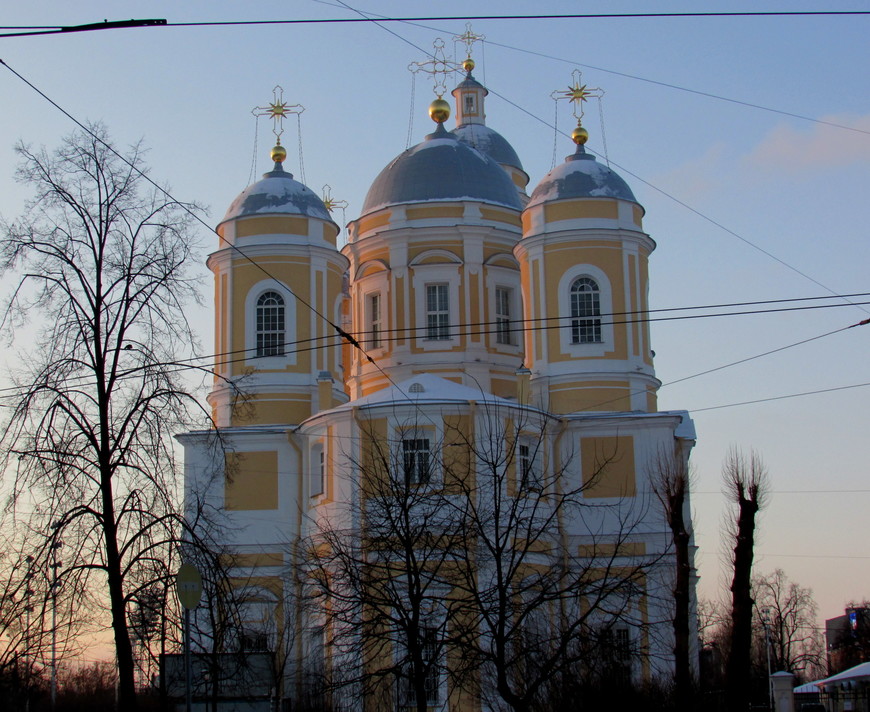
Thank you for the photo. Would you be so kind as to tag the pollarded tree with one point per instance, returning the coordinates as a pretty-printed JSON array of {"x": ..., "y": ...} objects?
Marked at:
[
  {"x": 102, "y": 266},
  {"x": 745, "y": 481},
  {"x": 671, "y": 487}
]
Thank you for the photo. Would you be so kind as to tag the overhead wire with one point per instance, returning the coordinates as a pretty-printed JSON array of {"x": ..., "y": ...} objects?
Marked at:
[
  {"x": 348, "y": 338},
  {"x": 247, "y": 355},
  {"x": 636, "y": 77},
  {"x": 28, "y": 31}
]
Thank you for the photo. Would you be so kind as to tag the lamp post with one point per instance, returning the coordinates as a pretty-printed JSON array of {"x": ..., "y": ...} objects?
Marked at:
[
  {"x": 55, "y": 565},
  {"x": 28, "y": 607},
  {"x": 765, "y": 621}
]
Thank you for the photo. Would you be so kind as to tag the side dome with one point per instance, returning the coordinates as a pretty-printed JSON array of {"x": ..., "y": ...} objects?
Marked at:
[
  {"x": 277, "y": 194},
  {"x": 441, "y": 168},
  {"x": 581, "y": 176},
  {"x": 489, "y": 142}
]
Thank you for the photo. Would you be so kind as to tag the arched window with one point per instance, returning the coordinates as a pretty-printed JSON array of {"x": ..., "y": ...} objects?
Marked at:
[
  {"x": 585, "y": 311},
  {"x": 270, "y": 324}
]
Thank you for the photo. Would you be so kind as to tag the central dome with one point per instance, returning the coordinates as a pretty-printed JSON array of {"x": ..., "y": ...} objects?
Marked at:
[
  {"x": 441, "y": 168},
  {"x": 488, "y": 141}
]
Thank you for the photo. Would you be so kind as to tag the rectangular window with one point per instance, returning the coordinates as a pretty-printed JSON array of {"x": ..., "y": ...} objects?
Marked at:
[
  {"x": 622, "y": 647},
  {"x": 374, "y": 307},
  {"x": 503, "y": 334},
  {"x": 437, "y": 312},
  {"x": 318, "y": 470},
  {"x": 415, "y": 461},
  {"x": 429, "y": 653},
  {"x": 528, "y": 468}
]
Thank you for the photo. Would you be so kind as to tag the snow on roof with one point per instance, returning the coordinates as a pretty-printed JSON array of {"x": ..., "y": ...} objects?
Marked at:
[
  {"x": 853, "y": 674},
  {"x": 426, "y": 388}
]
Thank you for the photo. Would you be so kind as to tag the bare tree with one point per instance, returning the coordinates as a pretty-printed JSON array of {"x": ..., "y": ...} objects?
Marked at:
[
  {"x": 104, "y": 260},
  {"x": 671, "y": 487},
  {"x": 745, "y": 481},
  {"x": 791, "y": 612},
  {"x": 379, "y": 575},
  {"x": 547, "y": 578}
]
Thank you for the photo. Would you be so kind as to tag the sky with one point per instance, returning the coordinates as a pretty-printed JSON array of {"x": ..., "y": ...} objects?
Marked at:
[{"x": 730, "y": 131}]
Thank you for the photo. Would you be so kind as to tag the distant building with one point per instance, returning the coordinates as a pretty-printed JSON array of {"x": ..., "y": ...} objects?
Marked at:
[
  {"x": 848, "y": 639},
  {"x": 476, "y": 305}
]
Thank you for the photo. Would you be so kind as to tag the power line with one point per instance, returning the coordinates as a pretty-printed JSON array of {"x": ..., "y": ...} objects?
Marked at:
[
  {"x": 776, "y": 398},
  {"x": 622, "y": 168},
  {"x": 246, "y": 355},
  {"x": 340, "y": 332},
  {"x": 626, "y": 75},
  {"x": 25, "y": 31}
]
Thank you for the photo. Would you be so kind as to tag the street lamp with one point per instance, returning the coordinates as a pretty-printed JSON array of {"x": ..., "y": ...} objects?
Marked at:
[
  {"x": 55, "y": 565},
  {"x": 765, "y": 621}
]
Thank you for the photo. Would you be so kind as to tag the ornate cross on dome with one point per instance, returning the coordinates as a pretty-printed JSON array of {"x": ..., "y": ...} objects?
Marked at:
[
  {"x": 469, "y": 38},
  {"x": 578, "y": 94},
  {"x": 438, "y": 66},
  {"x": 278, "y": 110}
]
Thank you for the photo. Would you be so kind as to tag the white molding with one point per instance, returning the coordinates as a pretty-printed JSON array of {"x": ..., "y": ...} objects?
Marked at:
[
  {"x": 599, "y": 348},
  {"x": 269, "y": 363}
]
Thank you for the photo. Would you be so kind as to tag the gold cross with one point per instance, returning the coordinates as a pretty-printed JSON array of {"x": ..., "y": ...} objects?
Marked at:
[
  {"x": 330, "y": 202},
  {"x": 278, "y": 110},
  {"x": 438, "y": 66},
  {"x": 469, "y": 38},
  {"x": 578, "y": 94}
]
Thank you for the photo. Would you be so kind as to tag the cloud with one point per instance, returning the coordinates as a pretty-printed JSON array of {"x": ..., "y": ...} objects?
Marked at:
[
  {"x": 819, "y": 145},
  {"x": 696, "y": 178}
]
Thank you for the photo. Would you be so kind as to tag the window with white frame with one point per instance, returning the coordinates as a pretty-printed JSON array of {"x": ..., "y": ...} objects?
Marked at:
[
  {"x": 585, "y": 311},
  {"x": 374, "y": 320},
  {"x": 503, "y": 299},
  {"x": 469, "y": 104},
  {"x": 416, "y": 465},
  {"x": 430, "y": 651},
  {"x": 270, "y": 324},
  {"x": 318, "y": 469},
  {"x": 437, "y": 312},
  {"x": 528, "y": 464}
]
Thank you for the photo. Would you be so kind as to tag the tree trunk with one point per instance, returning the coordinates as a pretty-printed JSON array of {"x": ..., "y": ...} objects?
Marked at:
[
  {"x": 682, "y": 603},
  {"x": 738, "y": 668}
]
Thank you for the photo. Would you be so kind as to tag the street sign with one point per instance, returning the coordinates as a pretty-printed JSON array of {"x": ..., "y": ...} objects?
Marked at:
[{"x": 188, "y": 584}]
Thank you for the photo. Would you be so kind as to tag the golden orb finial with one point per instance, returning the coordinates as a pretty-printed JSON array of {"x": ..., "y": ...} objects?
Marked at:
[
  {"x": 579, "y": 135},
  {"x": 468, "y": 65},
  {"x": 278, "y": 153},
  {"x": 439, "y": 111}
]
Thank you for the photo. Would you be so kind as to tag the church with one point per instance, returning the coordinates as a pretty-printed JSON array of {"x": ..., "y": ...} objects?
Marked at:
[{"x": 444, "y": 430}]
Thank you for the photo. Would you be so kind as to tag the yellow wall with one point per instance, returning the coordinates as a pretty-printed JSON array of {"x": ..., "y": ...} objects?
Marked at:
[
  {"x": 251, "y": 480},
  {"x": 608, "y": 466}
]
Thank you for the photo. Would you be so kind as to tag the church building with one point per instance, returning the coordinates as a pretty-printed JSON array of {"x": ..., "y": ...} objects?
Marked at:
[{"x": 482, "y": 347}]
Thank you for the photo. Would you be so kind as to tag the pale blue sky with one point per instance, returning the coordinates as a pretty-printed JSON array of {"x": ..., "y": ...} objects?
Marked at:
[{"x": 794, "y": 188}]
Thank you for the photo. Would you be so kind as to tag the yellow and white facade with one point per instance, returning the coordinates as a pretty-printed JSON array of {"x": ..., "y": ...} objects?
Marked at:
[{"x": 461, "y": 288}]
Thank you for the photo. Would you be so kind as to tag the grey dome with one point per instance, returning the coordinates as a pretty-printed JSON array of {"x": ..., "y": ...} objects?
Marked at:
[
  {"x": 441, "y": 168},
  {"x": 490, "y": 142},
  {"x": 580, "y": 176},
  {"x": 277, "y": 194}
]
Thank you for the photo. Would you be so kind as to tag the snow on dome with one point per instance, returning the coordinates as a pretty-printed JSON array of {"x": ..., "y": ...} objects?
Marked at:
[
  {"x": 581, "y": 176},
  {"x": 441, "y": 168},
  {"x": 489, "y": 142},
  {"x": 277, "y": 193}
]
